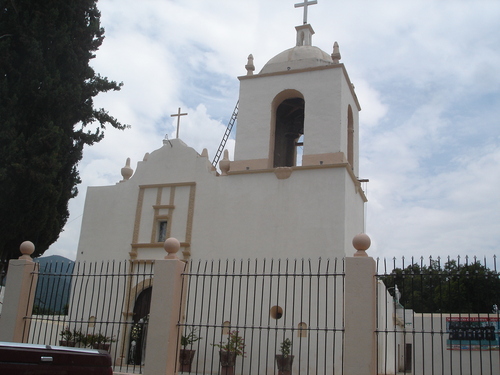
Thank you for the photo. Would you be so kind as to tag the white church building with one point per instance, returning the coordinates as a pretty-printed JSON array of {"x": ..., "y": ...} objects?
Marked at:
[{"x": 292, "y": 191}]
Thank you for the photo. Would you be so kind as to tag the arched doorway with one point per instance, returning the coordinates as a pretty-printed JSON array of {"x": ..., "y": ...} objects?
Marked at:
[
  {"x": 288, "y": 129},
  {"x": 139, "y": 331}
]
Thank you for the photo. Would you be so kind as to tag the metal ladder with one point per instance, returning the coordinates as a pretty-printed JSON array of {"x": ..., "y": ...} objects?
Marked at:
[{"x": 225, "y": 136}]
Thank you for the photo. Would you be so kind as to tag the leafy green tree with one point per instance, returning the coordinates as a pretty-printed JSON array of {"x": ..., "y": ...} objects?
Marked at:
[
  {"x": 448, "y": 288},
  {"x": 47, "y": 114}
]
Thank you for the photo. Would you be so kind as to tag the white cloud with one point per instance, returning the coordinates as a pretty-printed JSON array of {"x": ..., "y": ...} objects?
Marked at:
[
  {"x": 373, "y": 108},
  {"x": 203, "y": 131},
  {"x": 453, "y": 212}
]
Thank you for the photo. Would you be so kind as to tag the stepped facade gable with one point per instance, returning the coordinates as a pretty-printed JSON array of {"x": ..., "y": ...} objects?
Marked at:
[
  {"x": 291, "y": 191},
  {"x": 139, "y": 211}
]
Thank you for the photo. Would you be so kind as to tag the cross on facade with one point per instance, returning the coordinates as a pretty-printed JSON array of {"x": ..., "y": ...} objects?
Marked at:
[
  {"x": 178, "y": 115},
  {"x": 305, "y": 4}
]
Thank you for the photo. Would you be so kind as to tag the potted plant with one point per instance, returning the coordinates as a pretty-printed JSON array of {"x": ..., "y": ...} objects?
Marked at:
[
  {"x": 186, "y": 355},
  {"x": 284, "y": 360},
  {"x": 99, "y": 341},
  {"x": 234, "y": 347},
  {"x": 69, "y": 337}
]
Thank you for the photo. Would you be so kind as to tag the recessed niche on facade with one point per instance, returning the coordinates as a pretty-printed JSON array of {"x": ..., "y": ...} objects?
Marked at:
[
  {"x": 225, "y": 327},
  {"x": 302, "y": 329}
]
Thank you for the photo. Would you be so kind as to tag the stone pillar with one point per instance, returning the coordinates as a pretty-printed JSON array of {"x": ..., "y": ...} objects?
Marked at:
[
  {"x": 19, "y": 296},
  {"x": 163, "y": 340},
  {"x": 360, "y": 311}
]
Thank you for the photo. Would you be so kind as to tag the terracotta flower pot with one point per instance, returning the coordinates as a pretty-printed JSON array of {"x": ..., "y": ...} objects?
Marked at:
[
  {"x": 186, "y": 359},
  {"x": 227, "y": 362},
  {"x": 284, "y": 364}
]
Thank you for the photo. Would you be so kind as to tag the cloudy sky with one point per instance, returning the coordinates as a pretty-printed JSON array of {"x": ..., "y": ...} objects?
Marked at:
[{"x": 427, "y": 75}]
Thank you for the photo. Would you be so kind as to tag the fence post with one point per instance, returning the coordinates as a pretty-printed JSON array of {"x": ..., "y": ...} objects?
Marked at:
[
  {"x": 163, "y": 340},
  {"x": 360, "y": 308},
  {"x": 19, "y": 296}
]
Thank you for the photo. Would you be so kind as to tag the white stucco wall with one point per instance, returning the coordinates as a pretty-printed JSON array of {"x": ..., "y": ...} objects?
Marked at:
[
  {"x": 107, "y": 223},
  {"x": 432, "y": 355},
  {"x": 313, "y": 213},
  {"x": 387, "y": 361}
]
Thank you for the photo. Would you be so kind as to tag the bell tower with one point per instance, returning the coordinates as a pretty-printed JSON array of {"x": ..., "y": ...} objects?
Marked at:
[{"x": 299, "y": 110}]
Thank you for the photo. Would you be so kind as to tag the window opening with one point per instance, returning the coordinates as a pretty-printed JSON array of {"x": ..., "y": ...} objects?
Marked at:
[
  {"x": 162, "y": 231},
  {"x": 299, "y": 150}
]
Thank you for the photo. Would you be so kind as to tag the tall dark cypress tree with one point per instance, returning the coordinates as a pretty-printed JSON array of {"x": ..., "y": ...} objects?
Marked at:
[{"x": 47, "y": 114}]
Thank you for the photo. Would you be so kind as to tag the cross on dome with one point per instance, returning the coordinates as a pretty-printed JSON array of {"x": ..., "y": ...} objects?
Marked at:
[{"x": 305, "y": 4}]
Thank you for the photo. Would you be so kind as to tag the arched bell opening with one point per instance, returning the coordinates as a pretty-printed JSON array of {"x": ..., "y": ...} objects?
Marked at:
[{"x": 289, "y": 127}]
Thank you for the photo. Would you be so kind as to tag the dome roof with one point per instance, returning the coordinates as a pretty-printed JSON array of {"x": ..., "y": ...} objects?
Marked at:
[{"x": 299, "y": 57}]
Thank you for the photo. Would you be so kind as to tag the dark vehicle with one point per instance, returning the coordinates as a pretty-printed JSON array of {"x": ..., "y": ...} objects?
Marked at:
[{"x": 31, "y": 359}]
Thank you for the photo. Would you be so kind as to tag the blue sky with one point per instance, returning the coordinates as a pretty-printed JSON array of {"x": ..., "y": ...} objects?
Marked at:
[{"x": 427, "y": 75}]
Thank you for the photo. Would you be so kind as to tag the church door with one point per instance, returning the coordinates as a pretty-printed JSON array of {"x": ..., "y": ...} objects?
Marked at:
[{"x": 139, "y": 331}]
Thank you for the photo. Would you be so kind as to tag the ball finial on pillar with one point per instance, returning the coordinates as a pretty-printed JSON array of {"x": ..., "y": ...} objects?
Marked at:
[
  {"x": 361, "y": 243},
  {"x": 171, "y": 246},
  {"x": 27, "y": 248}
]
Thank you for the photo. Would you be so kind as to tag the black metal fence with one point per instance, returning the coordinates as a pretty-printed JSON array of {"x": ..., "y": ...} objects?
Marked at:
[
  {"x": 438, "y": 316},
  {"x": 433, "y": 316},
  {"x": 256, "y": 307},
  {"x": 104, "y": 305}
]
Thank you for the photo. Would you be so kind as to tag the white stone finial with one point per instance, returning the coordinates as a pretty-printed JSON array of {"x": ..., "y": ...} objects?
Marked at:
[
  {"x": 336, "y": 53},
  {"x": 250, "y": 67},
  {"x": 127, "y": 172},
  {"x": 225, "y": 164},
  {"x": 204, "y": 154},
  {"x": 27, "y": 248},
  {"x": 361, "y": 243},
  {"x": 171, "y": 246}
]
